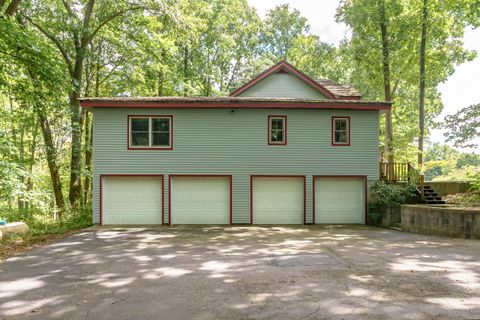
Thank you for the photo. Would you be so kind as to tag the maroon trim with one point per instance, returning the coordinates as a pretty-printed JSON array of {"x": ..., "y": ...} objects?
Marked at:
[
  {"x": 279, "y": 176},
  {"x": 366, "y": 200},
  {"x": 149, "y": 116},
  {"x": 336, "y": 144},
  {"x": 283, "y": 66},
  {"x": 284, "y": 142},
  {"x": 128, "y": 175},
  {"x": 251, "y": 199},
  {"x": 364, "y": 177},
  {"x": 344, "y": 104},
  {"x": 198, "y": 176}
]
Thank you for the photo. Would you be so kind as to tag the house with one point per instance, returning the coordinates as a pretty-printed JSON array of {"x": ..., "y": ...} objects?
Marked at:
[{"x": 281, "y": 149}]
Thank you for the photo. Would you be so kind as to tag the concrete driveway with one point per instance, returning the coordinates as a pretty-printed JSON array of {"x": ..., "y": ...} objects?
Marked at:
[{"x": 300, "y": 272}]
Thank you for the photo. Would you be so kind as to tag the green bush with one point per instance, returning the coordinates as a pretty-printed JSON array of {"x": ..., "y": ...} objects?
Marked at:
[
  {"x": 388, "y": 194},
  {"x": 394, "y": 193},
  {"x": 43, "y": 223},
  {"x": 475, "y": 185}
]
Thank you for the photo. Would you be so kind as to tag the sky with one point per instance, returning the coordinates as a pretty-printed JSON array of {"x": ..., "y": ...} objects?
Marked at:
[{"x": 460, "y": 90}]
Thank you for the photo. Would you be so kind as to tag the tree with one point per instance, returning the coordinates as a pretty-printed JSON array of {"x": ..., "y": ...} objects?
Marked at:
[
  {"x": 34, "y": 87},
  {"x": 71, "y": 31},
  {"x": 383, "y": 47},
  {"x": 282, "y": 27},
  {"x": 463, "y": 127}
]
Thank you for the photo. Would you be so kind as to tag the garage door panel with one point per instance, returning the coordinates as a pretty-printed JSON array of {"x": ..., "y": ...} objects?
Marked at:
[
  {"x": 277, "y": 200},
  {"x": 200, "y": 200},
  {"x": 339, "y": 200},
  {"x": 132, "y": 200}
]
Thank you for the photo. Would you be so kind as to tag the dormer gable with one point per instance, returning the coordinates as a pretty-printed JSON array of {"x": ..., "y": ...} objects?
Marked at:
[{"x": 283, "y": 80}]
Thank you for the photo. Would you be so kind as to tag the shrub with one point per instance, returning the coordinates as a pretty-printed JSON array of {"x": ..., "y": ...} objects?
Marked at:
[
  {"x": 42, "y": 223},
  {"x": 394, "y": 193},
  {"x": 388, "y": 194},
  {"x": 475, "y": 185}
]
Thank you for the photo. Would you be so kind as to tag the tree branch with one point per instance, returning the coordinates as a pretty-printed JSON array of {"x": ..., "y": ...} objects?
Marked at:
[
  {"x": 56, "y": 42},
  {"x": 86, "y": 23},
  {"x": 69, "y": 9},
  {"x": 110, "y": 18},
  {"x": 109, "y": 73}
]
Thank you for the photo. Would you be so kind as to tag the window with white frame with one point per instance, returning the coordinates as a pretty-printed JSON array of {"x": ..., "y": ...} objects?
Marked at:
[
  {"x": 153, "y": 132},
  {"x": 341, "y": 131},
  {"x": 277, "y": 130}
]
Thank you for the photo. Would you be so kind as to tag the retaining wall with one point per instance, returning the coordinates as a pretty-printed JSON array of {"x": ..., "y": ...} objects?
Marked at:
[{"x": 441, "y": 220}]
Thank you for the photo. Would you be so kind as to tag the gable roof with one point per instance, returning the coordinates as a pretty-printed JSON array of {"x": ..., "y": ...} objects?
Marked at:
[{"x": 327, "y": 88}]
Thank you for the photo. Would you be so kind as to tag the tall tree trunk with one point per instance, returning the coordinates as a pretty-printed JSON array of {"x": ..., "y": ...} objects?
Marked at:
[
  {"x": 185, "y": 71},
  {"x": 33, "y": 150},
  {"x": 21, "y": 202},
  {"x": 76, "y": 116},
  {"x": 88, "y": 158},
  {"x": 51, "y": 160},
  {"x": 421, "y": 106},
  {"x": 386, "y": 81},
  {"x": 76, "y": 155}
]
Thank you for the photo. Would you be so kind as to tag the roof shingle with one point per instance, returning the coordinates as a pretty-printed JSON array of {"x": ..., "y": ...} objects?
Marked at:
[{"x": 339, "y": 90}]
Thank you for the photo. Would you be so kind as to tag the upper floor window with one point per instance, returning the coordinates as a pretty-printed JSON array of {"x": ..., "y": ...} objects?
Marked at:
[
  {"x": 341, "y": 131},
  {"x": 150, "y": 132},
  {"x": 277, "y": 130}
]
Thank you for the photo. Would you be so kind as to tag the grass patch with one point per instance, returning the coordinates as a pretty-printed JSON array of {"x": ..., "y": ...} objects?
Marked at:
[{"x": 43, "y": 230}]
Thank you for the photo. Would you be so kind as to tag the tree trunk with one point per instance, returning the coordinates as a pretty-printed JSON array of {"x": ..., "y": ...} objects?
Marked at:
[
  {"x": 185, "y": 71},
  {"x": 88, "y": 158},
  {"x": 76, "y": 155},
  {"x": 421, "y": 106},
  {"x": 33, "y": 150},
  {"x": 51, "y": 160},
  {"x": 21, "y": 202},
  {"x": 386, "y": 82},
  {"x": 76, "y": 116},
  {"x": 12, "y": 8}
]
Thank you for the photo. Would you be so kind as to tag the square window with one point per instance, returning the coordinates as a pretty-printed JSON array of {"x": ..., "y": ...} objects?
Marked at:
[{"x": 150, "y": 132}]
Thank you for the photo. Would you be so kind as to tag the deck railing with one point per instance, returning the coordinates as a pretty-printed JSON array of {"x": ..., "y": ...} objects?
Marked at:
[
  {"x": 402, "y": 172},
  {"x": 398, "y": 172}
]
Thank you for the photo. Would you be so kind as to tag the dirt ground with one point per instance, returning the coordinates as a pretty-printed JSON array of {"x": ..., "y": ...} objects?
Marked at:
[{"x": 303, "y": 272}]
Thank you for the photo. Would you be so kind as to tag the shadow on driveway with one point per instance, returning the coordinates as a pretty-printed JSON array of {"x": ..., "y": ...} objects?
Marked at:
[{"x": 304, "y": 272}]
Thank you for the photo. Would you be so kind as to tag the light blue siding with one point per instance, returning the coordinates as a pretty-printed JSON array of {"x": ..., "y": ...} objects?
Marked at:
[
  {"x": 282, "y": 85},
  {"x": 219, "y": 141}
]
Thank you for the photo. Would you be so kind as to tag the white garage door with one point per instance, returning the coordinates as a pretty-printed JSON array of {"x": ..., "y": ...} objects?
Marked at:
[
  {"x": 132, "y": 200},
  {"x": 278, "y": 200},
  {"x": 200, "y": 200},
  {"x": 339, "y": 200}
]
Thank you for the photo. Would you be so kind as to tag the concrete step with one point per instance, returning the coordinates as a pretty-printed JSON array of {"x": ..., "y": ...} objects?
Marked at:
[{"x": 435, "y": 202}]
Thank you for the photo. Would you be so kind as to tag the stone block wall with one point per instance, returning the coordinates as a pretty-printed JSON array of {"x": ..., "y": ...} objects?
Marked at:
[{"x": 441, "y": 220}]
